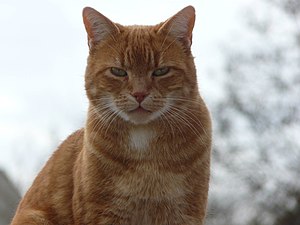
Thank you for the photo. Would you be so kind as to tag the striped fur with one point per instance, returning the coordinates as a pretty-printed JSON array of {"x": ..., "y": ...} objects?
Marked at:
[{"x": 130, "y": 166}]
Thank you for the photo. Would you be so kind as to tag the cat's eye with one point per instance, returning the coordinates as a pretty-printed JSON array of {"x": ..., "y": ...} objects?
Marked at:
[
  {"x": 161, "y": 71},
  {"x": 118, "y": 72}
]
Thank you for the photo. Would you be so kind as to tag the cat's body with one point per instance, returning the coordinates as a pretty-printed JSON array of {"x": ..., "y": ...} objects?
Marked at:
[{"x": 143, "y": 157}]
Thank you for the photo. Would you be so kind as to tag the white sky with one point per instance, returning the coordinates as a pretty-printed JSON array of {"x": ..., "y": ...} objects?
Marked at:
[{"x": 43, "y": 55}]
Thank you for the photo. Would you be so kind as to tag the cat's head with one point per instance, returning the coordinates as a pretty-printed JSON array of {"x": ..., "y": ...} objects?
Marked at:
[{"x": 140, "y": 73}]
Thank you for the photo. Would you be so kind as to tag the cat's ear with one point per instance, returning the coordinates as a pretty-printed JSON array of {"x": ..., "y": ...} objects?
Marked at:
[
  {"x": 98, "y": 27},
  {"x": 181, "y": 25}
]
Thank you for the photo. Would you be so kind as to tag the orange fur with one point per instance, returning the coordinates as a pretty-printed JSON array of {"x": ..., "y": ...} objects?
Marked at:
[{"x": 143, "y": 157}]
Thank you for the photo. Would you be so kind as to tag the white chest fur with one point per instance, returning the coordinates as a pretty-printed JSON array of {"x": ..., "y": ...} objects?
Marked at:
[{"x": 140, "y": 138}]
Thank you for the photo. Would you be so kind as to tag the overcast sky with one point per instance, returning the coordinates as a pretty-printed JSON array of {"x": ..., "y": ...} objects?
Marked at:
[{"x": 43, "y": 53}]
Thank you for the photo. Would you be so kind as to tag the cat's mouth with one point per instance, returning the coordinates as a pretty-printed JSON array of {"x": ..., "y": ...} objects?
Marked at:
[
  {"x": 140, "y": 110},
  {"x": 139, "y": 115}
]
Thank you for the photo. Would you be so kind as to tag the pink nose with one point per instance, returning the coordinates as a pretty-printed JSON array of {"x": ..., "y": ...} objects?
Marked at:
[{"x": 139, "y": 96}]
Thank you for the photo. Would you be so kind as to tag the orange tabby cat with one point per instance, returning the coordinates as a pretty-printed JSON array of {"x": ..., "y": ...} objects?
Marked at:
[{"x": 143, "y": 157}]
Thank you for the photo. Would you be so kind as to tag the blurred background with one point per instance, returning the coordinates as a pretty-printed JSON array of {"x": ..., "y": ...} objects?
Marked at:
[{"x": 248, "y": 59}]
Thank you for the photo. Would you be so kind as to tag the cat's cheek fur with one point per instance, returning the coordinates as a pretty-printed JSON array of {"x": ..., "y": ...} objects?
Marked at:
[
  {"x": 154, "y": 116},
  {"x": 117, "y": 111}
]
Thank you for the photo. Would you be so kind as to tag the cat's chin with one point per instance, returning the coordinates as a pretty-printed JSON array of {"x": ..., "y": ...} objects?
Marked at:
[{"x": 139, "y": 116}]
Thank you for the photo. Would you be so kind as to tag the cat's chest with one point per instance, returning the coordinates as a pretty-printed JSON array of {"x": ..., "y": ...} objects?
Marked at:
[
  {"x": 147, "y": 182},
  {"x": 140, "y": 138},
  {"x": 150, "y": 195}
]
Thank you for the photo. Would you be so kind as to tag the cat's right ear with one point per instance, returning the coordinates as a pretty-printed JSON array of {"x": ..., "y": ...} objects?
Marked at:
[{"x": 98, "y": 27}]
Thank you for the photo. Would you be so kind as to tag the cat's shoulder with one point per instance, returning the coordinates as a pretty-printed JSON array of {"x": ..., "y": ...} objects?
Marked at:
[
  {"x": 76, "y": 138},
  {"x": 72, "y": 144}
]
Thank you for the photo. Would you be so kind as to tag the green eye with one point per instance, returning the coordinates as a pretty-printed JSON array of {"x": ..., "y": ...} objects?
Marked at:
[
  {"x": 118, "y": 72},
  {"x": 161, "y": 71}
]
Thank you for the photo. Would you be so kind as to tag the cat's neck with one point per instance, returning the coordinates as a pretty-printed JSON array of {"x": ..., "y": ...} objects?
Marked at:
[
  {"x": 123, "y": 139},
  {"x": 116, "y": 132}
]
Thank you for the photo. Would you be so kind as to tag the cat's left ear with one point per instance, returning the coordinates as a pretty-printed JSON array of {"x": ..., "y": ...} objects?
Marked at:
[
  {"x": 98, "y": 27},
  {"x": 181, "y": 25}
]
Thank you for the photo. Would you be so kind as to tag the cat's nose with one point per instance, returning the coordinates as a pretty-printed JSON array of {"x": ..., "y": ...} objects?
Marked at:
[{"x": 139, "y": 96}]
